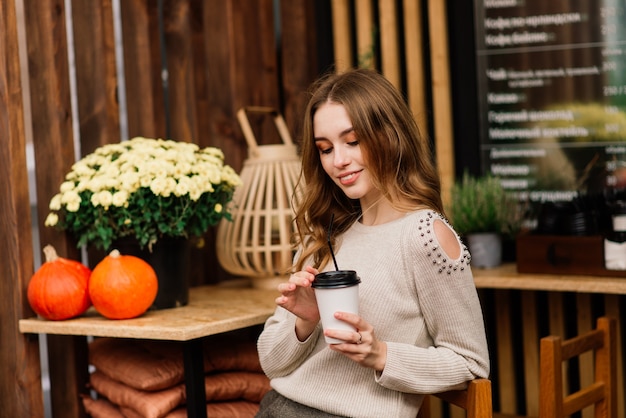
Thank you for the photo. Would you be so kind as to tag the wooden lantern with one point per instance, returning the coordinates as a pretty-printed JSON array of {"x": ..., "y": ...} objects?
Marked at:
[{"x": 257, "y": 242}]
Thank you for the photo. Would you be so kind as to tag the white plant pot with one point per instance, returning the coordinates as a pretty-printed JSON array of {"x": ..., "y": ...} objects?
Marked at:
[{"x": 485, "y": 249}]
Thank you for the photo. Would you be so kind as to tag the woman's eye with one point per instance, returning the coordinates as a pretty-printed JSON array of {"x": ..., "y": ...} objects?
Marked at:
[
  {"x": 353, "y": 143},
  {"x": 325, "y": 151}
]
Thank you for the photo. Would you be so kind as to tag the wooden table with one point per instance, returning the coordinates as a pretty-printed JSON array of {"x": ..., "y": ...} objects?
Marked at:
[
  {"x": 211, "y": 310},
  {"x": 507, "y": 277}
]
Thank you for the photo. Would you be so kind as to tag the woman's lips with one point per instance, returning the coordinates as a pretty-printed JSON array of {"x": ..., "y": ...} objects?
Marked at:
[{"x": 350, "y": 178}]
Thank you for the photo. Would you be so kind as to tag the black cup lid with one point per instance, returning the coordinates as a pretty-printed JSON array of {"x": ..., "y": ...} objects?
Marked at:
[{"x": 336, "y": 278}]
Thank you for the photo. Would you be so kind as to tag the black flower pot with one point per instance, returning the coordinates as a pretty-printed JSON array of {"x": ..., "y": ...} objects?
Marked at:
[{"x": 170, "y": 260}]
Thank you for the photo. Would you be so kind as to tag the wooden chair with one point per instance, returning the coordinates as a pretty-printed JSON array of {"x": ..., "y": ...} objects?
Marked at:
[
  {"x": 602, "y": 392},
  {"x": 476, "y": 400},
  {"x": 553, "y": 402}
]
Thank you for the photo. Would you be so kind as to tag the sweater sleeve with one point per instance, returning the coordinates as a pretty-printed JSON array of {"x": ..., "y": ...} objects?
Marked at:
[
  {"x": 280, "y": 351},
  {"x": 456, "y": 350}
]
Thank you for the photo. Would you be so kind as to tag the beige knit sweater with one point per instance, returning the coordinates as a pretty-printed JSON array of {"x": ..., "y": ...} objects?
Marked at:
[{"x": 423, "y": 305}]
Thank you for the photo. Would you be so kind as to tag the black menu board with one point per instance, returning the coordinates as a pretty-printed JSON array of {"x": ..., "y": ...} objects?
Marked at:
[{"x": 552, "y": 95}]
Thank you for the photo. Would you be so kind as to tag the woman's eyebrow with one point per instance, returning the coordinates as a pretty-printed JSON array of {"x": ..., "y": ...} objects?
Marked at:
[{"x": 341, "y": 134}]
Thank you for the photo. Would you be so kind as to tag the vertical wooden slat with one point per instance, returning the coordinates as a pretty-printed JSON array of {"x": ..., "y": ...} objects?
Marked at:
[
  {"x": 142, "y": 69},
  {"x": 441, "y": 93},
  {"x": 556, "y": 318},
  {"x": 456, "y": 412},
  {"x": 20, "y": 385},
  {"x": 342, "y": 37},
  {"x": 261, "y": 75},
  {"x": 530, "y": 335},
  {"x": 180, "y": 69},
  {"x": 506, "y": 359},
  {"x": 219, "y": 50},
  {"x": 365, "y": 36},
  {"x": 219, "y": 59},
  {"x": 54, "y": 155},
  {"x": 201, "y": 91},
  {"x": 584, "y": 324},
  {"x": 613, "y": 307},
  {"x": 389, "y": 42},
  {"x": 299, "y": 60},
  {"x": 96, "y": 79},
  {"x": 415, "y": 62},
  {"x": 53, "y": 137},
  {"x": 436, "y": 407},
  {"x": 557, "y": 325},
  {"x": 68, "y": 367}
]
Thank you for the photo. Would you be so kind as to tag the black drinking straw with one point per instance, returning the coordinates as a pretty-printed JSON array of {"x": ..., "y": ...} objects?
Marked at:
[{"x": 330, "y": 228}]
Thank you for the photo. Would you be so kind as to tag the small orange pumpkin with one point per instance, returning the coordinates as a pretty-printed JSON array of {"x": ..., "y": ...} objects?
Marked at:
[
  {"x": 59, "y": 288},
  {"x": 122, "y": 286}
]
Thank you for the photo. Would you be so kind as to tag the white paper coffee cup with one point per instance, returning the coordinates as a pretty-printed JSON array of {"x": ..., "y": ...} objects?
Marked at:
[{"x": 336, "y": 291}]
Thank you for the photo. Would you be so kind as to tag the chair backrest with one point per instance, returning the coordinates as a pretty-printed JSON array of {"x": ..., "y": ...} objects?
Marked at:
[
  {"x": 553, "y": 402},
  {"x": 476, "y": 400}
]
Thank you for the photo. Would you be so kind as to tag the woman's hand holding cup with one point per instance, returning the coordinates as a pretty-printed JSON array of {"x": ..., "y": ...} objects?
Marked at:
[{"x": 298, "y": 297}]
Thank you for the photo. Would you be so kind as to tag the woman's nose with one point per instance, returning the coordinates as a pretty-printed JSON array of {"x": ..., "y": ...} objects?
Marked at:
[{"x": 342, "y": 158}]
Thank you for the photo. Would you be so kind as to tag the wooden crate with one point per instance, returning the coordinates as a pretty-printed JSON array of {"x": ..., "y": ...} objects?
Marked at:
[{"x": 556, "y": 254}]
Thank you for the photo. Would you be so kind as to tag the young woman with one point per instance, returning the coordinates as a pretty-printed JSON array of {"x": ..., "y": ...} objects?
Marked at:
[{"x": 420, "y": 327}]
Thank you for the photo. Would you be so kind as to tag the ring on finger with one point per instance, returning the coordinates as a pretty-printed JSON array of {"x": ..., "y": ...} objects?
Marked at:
[{"x": 360, "y": 340}]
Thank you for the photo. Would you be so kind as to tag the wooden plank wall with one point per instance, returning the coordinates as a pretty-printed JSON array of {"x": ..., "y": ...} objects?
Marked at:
[
  {"x": 371, "y": 33},
  {"x": 220, "y": 55},
  {"x": 391, "y": 36},
  {"x": 20, "y": 385}
]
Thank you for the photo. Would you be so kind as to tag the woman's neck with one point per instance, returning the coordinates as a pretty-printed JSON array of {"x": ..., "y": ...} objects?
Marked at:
[{"x": 379, "y": 212}]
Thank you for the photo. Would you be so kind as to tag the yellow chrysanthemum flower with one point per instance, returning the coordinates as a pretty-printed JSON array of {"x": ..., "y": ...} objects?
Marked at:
[{"x": 115, "y": 188}]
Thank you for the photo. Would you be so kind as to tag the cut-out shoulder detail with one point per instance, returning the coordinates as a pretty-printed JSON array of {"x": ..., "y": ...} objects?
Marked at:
[
  {"x": 444, "y": 247},
  {"x": 447, "y": 239}
]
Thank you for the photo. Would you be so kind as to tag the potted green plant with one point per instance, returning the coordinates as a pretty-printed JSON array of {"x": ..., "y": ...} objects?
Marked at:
[{"x": 483, "y": 212}]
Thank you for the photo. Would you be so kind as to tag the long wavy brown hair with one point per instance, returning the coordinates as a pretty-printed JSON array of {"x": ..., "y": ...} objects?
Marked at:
[{"x": 398, "y": 157}]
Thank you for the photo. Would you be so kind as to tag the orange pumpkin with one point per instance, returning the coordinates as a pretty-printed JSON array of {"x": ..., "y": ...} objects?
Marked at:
[
  {"x": 59, "y": 288},
  {"x": 122, "y": 286}
]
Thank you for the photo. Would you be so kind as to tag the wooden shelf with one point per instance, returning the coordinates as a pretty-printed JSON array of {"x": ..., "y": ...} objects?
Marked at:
[
  {"x": 211, "y": 310},
  {"x": 507, "y": 277}
]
